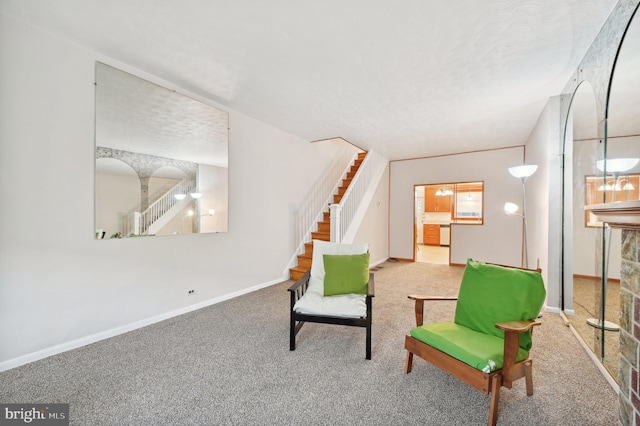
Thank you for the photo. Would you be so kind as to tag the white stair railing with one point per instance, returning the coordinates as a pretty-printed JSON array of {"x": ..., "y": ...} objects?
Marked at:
[
  {"x": 316, "y": 202},
  {"x": 139, "y": 222},
  {"x": 347, "y": 215}
]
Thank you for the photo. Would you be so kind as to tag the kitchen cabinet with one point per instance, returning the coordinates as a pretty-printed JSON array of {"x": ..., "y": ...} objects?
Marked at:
[
  {"x": 436, "y": 203},
  {"x": 431, "y": 234}
]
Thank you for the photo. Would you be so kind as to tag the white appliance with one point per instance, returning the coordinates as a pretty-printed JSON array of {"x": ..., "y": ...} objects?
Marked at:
[{"x": 445, "y": 235}]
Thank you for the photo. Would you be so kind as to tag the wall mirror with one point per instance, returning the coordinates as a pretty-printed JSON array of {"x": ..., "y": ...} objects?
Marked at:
[
  {"x": 582, "y": 270},
  {"x": 622, "y": 159},
  {"x": 598, "y": 189},
  {"x": 161, "y": 160}
]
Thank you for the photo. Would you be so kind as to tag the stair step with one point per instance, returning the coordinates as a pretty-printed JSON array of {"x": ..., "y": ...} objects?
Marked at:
[
  {"x": 351, "y": 174},
  {"x": 308, "y": 248},
  {"x": 337, "y": 198},
  {"x": 346, "y": 182},
  {"x": 361, "y": 155},
  {"x": 322, "y": 236},
  {"x": 297, "y": 272},
  {"x": 342, "y": 190},
  {"x": 326, "y": 216},
  {"x": 304, "y": 260},
  {"x": 324, "y": 226}
]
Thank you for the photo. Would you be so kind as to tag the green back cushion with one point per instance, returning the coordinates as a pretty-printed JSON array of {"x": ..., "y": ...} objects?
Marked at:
[
  {"x": 346, "y": 274},
  {"x": 490, "y": 294}
]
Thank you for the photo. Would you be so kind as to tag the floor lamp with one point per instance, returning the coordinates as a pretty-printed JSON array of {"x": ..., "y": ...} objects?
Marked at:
[
  {"x": 522, "y": 173},
  {"x": 615, "y": 166}
]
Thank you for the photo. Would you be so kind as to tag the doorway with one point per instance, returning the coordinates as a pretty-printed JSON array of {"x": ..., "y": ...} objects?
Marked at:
[
  {"x": 437, "y": 208},
  {"x": 432, "y": 227}
]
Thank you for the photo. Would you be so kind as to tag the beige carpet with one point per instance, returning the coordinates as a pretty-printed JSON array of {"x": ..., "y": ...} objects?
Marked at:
[{"x": 230, "y": 364}]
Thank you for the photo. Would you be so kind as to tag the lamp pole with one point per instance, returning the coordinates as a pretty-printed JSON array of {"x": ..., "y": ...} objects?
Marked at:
[
  {"x": 524, "y": 219},
  {"x": 522, "y": 173}
]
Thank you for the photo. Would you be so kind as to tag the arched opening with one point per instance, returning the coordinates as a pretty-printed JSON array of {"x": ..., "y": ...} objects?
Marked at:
[{"x": 118, "y": 193}]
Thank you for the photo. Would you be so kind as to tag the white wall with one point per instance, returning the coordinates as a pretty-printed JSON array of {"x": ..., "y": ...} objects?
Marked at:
[
  {"x": 544, "y": 199},
  {"x": 119, "y": 195},
  {"x": 374, "y": 227},
  {"x": 499, "y": 240},
  {"x": 60, "y": 288},
  {"x": 214, "y": 184}
]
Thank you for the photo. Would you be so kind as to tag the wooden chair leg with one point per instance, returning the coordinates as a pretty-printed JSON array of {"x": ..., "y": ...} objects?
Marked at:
[
  {"x": 528, "y": 377},
  {"x": 409, "y": 363},
  {"x": 496, "y": 383}
]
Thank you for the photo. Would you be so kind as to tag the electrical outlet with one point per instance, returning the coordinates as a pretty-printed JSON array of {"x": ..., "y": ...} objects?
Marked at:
[{"x": 191, "y": 292}]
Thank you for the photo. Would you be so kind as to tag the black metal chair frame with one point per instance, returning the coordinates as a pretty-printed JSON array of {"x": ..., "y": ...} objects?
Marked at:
[{"x": 298, "y": 290}]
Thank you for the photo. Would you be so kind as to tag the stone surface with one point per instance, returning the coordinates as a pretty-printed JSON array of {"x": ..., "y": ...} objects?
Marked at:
[{"x": 626, "y": 310}]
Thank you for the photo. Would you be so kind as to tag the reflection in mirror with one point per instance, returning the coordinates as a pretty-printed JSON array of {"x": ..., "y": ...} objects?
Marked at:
[
  {"x": 622, "y": 147},
  {"x": 161, "y": 160},
  {"x": 581, "y": 267},
  {"x": 608, "y": 190}
]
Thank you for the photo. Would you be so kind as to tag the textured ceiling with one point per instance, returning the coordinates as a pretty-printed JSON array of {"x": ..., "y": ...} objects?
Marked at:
[
  {"x": 408, "y": 79},
  {"x": 135, "y": 115}
]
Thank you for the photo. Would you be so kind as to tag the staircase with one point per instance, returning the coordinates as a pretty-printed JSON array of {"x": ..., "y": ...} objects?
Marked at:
[
  {"x": 324, "y": 228},
  {"x": 159, "y": 212}
]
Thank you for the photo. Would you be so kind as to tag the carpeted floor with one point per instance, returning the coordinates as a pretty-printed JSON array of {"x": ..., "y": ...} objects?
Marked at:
[
  {"x": 230, "y": 364},
  {"x": 586, "y": 295}
]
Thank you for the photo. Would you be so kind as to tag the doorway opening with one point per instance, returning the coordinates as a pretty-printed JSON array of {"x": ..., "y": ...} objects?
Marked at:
[{"x": 436, "y": 208}]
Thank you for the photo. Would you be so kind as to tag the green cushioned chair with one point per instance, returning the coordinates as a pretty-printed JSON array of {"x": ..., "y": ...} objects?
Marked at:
[{"x": 487, "y": 345}]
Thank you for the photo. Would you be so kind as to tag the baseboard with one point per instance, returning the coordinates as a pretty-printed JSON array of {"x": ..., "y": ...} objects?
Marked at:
[
  {"x": 376, "y": 263},
  {"x": 590, "y": 277},
  {"x": 83, "y": 341}
]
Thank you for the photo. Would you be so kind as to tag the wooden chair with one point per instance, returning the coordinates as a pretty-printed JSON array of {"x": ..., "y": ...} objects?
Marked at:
[
  {"x": 308, "y": 304},
  {"x": 487, "y": 346}
]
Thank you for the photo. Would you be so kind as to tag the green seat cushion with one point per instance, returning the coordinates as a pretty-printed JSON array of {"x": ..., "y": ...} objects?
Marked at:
[
  {"x": 481, "y": 351},
  {"x": 490, "y": 294},
  {"x": 346, "y": 274}
]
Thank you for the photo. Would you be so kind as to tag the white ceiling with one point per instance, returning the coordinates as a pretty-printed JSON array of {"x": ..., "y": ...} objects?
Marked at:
[{"x": 407, "y": 78}]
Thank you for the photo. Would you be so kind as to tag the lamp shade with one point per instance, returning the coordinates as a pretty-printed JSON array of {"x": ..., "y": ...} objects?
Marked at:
[
  {"x": 179, "y": 196},
  {"x": 196, "y": 195},
  {"x": 510, "y": 208},
  {"x": 617, "y": 165},
  {"x": 523, "y": 171}
]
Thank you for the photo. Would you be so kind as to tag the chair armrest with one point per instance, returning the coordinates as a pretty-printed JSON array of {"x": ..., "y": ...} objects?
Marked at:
[
  {"x": 301, "y": 281},
  {"x": 517, "y": 326},
  {"x": 423, "y": 297},
  {"x": 370, "y": 285},
  {"x": 420, "y": 305},
  {"x": 512, "y": 331},
  {"x": 299, "y": 288}
]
